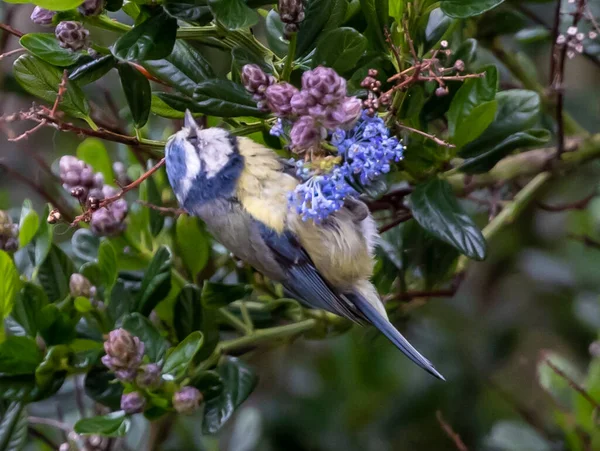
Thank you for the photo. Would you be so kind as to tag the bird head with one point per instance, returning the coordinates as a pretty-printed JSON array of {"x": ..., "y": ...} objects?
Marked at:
[{"x": 201, "y": 163}]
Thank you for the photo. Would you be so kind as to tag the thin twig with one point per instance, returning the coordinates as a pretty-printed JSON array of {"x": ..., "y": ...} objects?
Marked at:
[
  {"x": 399, "y": 220},
  {"x": 579, "y": 205},
  {"x": 87, "y": 215},
  {"x": 434, "y": 138},
  {"x": 578, "y": 388},
  {"x": 409, "y": 295},
  {"x": 11, "y": 30},
  {"x": 460, "y": 446},
  {"x": 12, "y": 52},
  {"x": 50, "y": 422},
  {"x": 163, "y": 210},
  {"x": 62, "y": 88}
]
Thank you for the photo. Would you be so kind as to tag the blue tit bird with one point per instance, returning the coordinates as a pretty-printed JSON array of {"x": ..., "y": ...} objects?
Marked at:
[{"x": 240, "y": 190}]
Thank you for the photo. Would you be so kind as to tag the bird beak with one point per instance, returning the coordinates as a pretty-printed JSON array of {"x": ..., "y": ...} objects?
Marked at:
[{"x": 190, "y": 122}]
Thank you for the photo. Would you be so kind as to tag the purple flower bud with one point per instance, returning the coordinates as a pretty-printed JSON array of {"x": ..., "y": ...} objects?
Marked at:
[
  {"x": 133, "y": 403},
  {"x": 42, "y": 16},
  {"x": 344, "y": 114},
  {"x": 124, "y": 353},
  {"x": 301, "y": 101},
  {"x": 10, "y": 245},
  {"x": 254, "y": 79},
  {"x": 80, "y": 286},
  {"x": 291, "y": 13},
  {"x": 109, "y": 220},
  {"x": 98, "y": 181},
  {"x": 187, "y": 400},
  {"x": 279, "y": 97},
  {"x": 324, "y": 85},
  {"x": 87, "y": 176},
  {"x": 305, "y": 133},
  {"x": 91, "y": 7},
  {"x": 71, "y": 35},
  {"x": 149, "y": 377}
]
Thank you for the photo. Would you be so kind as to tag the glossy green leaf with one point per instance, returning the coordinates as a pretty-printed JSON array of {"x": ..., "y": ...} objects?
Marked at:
[
  {"x": 52, "y": 367},
  {"x": 275, "y": 34},
  {"x": 188, "y": 313},
  {"x": 475, "y": 123},
  {"x": 376, "y": 14},
  {"x": 122, "y": 301},
  {"x": 29, "y": 224},
  {"x": 468, "y": 8},
  {"x": 180, "y": 359},
  {"x": 42, "y": 80},
  {"x": 216, "y": 295},
  {"x": 19, "y": 355},
  {"x": 102, "y": 386},
  {"x": 54, "y": 5},
  {"x": 54, "y": 274},
  {"x": 437, "y": 25},
  {"x": 436, "y": 209},
  {"x": 45, "y": 46},
  {"x": 43, "y": 238},
  {"x": 107, "y": 260},
  {"x": 82, "y": 304},
  {"x": 160, "y": 108},
  {"x": 317, "y": 13},
  {"x": 17, "y": 388},
  {"x": 233, "y": 14},
  {"x": 196, "y": 11},
  {"x": 27, "y": 308},
  {"x": 9, "y": 284},
  {"x": 57, "y": 327},
  {"x": 137, "y": 92},
  {"x": 114, "y": 424},
  {"x": 466, "y": 52},
  {"x": 183, "y": 69},
  {"x": 486, "y": 158},
  {"x": 156, "y": 283},
  {"x": 152, "y": 195},
  {"x": 239, "y": 381},
  {"x": 140, "y": 326},
  {"x": 94, "y": 70},
  {"x": 85, "y": 245},
  {"x": 224, "y": 98},
  {"x": 340, "y": 49},
  {"x": 153, "y": 39},
  {"x": 193, "y": 244},
  {"x": 337, "y": 17},
  {"x": 178, "y": 102},
  {"x": 533, "y": 35},
  {"x": 93, "y": 152},
  {"x": 13, "y": 427}
]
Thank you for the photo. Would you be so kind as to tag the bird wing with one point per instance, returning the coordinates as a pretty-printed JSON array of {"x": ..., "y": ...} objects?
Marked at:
[{"x": 303, "y": 279}]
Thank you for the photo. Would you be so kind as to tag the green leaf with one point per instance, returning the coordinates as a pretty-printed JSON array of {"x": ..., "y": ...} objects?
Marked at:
[
  {"x": 107, "y": 260},
  {"x": 54, "y": 274},
  {"x": 43, "y": 239},
  {"x": 93, "y": 152},
  {"x": 9, "y": 284},
  {"x": 340, "y": 49},
  {"x": 137, "y": 92},
  {"x": 461, "y": 9},
  {"x": 28, "y": 306},
  {"x": 180, "y": 359},
  {"x": 533, "y": 35},
  {"x": 29, "y": 224},
  {"x": 233, "y": 14},
  {"x": 122, "y": 301},
  {"x": 54, "y": 5},
  {"x": 160, "y": 108},
  {"x": 153, "y": 39},
  {"x": 475, "y": 123},
  {"x": 85, "y": 245},
  {"x": 19, "y": 355},
  {"x": 189, "y": 10},
  {"x": 224, "y": 98},
  {"x": 217, "y": 295},
  {"x": 316, "y": 15},
  {"x": 183, "y": 69},
  {"x": 114, "y": 424},
  {"x": 437, "y": 25},
  {"x": 157, "y": 220},
  {"x": 376, "y": 14},
  {"x": 102, "y": 386},
  {"x": 473, "y": 93},
  {"x": 54, "y": 366},
  {"x": 42, "y": 80},
  {"x": 275, "y": 34},
  {"x": 140, "y": 326},
  {"x": 239, "y": 381},
  {"x": 156, "y": 283},
  {"x": 94, "y": 70},
  {"x": 178, "y": 102},
  {"x": 193, "y": 244},
  {"x": 436, "y": 209},
  {"x": 337, "y": 17},
  {"x": 13, "y": 427},
  {"x": 82, "y": 304},
  {"x": 486, "y": 157},
  {"x": 45, "y": 46},
  {"x": 188, "y": 315},
  {"x": 56, "y": 327}
]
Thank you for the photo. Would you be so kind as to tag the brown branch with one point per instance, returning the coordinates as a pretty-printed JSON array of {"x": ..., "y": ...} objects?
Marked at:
[
  {"x": 164, "y": 210},
  {"x": 460, "y": 446},
  {"x": 435, "y": 139},
  {"x": 11, "y": 30},
  {"x": 399, "y": 220},
  {"x": 87, "y": 214},
  {"x": 578, "y": 388},
  {"x": 12, "y": 52},
  {"x": 62, "y": 88},
  {"x": 579, "y": 205},
  {"x": 409, "y": 295}
]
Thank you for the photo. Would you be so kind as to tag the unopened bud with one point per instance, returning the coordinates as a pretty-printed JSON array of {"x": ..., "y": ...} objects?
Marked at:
[
  {"x": 187, "y": 400},
  {"x": 459, "y": 65},
  {"x": 149, "y": 376},
  {"x": 442, "y": 91},
  {"x": 42, "y": 16},
  {"x": 79, "y": 285},
  {"x": 54, "y": 216},
  {"x": 133, "y": 403},
  {"x": 71, "y": 35}
]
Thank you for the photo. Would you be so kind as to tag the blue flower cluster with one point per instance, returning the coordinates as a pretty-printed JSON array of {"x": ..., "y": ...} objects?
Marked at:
[{"x": 367, "y": 151}]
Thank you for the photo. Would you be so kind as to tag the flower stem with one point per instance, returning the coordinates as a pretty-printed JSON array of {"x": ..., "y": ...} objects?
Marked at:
[
  {"x": 106, "y": 23},
  {"x": 289, "y": 60},
  {"x": 260, "y": 335}
]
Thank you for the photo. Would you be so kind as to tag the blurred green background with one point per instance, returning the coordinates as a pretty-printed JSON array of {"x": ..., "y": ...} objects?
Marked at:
[{"x": 537, "y": 291}]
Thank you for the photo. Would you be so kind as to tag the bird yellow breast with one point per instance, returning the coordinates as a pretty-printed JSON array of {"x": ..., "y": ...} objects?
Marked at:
[{"x": 262, "y": 187}]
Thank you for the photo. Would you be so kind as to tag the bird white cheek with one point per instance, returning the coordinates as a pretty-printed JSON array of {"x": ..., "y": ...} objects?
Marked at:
[{"x": 193, "y": 168}]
